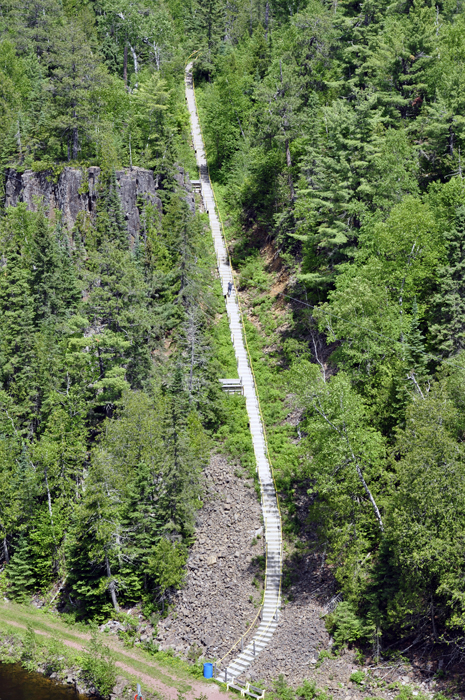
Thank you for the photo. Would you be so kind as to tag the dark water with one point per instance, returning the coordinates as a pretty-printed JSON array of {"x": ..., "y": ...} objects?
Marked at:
[{"x": 18, "y": 684}]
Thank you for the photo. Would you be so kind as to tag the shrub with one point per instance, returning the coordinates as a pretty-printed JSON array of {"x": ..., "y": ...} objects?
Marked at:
[
  {"x": 324, "y": 654},
  {"x": 309, "y": 691},
  {"x": 55, "y": 657},
  {"x": 406, "y": 693},
  {"x": 283, "y": 691},
  {"x": 345, "y": 626},
  {"x": 30, "y": 649},
  {"x": 98, "y": 666},
  {"x": 357, "y": 677}
]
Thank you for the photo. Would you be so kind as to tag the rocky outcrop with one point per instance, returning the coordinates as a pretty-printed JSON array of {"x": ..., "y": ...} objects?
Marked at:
[{"x": 75, "y": 190}]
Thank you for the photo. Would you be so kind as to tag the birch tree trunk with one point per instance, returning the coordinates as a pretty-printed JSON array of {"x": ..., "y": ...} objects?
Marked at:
[
  {"x": 111, "y": 585},
  {"x": 6, "y": 554}
]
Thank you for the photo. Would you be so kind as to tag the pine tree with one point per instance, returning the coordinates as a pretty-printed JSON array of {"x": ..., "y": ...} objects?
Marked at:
[
  {"x": 75, "y": 76},
  {"x": 111, "y": 224},
  {"x": 183, "y": 462},
  {"x": 17, "y": 351},
  {"x": 416, "y": 359},
  {"x": 165, "y": 565},
  {"x": 448, "y": 331},
  {"x": 67, "y": 284},
  {"x": 208, "y": 24},
  {"x": 20, "y": 571},
  {"x": 45, "y": 273}
]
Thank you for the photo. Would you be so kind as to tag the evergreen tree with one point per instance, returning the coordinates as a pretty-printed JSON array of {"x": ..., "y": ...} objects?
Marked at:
[
  {"x": 165, "y": 565},
  {"x": 207, "y": 22},
  {"x": 76, "y": 77},
  {"x": 17, "y": 351},
  {"x": 448, "y": 330},
  {"x": 20, "y": 571},
  {"x": 111, "y": 224},
  {"x": 46, "y": 277},
  {"x": 183, "y": 460},
  {"x": 415, "y": 357}
]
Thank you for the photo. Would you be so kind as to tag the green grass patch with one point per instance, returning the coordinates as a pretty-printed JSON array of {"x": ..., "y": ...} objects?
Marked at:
[{"x": 146, "y": 663}]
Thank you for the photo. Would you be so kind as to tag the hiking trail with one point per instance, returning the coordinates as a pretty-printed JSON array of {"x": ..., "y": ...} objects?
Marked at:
[{"x": 269, "y": 503}]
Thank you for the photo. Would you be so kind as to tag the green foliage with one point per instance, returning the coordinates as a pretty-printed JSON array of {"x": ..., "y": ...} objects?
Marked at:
[
  {"x": 98, "y": 666},
  {"x": 358, "y": 677},
  {"x": 447, "y": 333},
  {"x": 253, "y": 275},
  {"x": 346, "y": 466},
  {"x": 336, "y": 146},
  {"x": 165, "y": 564},
  {"x": 30, "y": 648},
  {"x": 307, "y": 691},
  {"x": 20, "y": 572},
  {"x": 55, "y": 657},
  {"x": 406, "y": 693},
  {"x": 324, "y": 654},
  {"x": 100, "y": 335},
  {"x": 345, "y": 626}
]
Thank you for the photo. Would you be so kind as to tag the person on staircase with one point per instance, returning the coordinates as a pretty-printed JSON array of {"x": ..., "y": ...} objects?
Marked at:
[{"x": 230, "y": 288}]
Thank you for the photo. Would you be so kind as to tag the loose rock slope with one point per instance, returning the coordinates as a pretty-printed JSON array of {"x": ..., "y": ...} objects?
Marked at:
[
  {"x": 213, "y": 608},
  {"x": 219, "y": 598}
]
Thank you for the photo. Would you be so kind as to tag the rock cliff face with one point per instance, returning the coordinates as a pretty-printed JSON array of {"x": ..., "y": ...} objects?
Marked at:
[{"x": 76, "y": 190}]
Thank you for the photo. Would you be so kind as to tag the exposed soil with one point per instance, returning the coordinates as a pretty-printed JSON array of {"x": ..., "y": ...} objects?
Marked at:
[
  {"x": 193, "y": 687},
  {"x": 211, "y": 609}
]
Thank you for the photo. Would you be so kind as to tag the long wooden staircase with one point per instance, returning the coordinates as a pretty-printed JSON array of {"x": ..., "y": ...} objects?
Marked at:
[{"x": 271, "y": 515}]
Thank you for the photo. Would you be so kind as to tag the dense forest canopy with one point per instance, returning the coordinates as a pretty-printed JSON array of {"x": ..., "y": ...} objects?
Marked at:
[
  {"x": 108, "y": 378},
  {"x": 335, "y": 136}
]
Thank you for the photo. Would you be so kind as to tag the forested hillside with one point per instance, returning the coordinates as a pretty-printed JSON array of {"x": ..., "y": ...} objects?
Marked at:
[
  {"x": 334, "y": 132},
  {"x": 108, "y": 372},
  {"x": 335, "y": 137}
]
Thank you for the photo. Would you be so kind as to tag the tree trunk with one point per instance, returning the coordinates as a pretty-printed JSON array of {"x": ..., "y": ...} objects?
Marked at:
[
  {"x": 111, "y": 585},
  {"x": 75, "y": 143},
  {"x": 125, "y": 65},
  {"x": 5, "y": 551},
  {"x": 134, "y": 58},
  {"x": 451, "y": 141},
  {"x": 157, "y": 55},
  {"x": 192, "y": 334},
  {"x": 289, "y": 165},
  {"x": 372, "y": 500},
  {"x": 433, "y": 624},
  {"x": 49, "y": 498},
  {"x": 267, "y": 18}
]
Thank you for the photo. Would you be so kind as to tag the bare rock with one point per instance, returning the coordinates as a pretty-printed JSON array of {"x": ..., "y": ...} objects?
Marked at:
[{"x": 75, "y": 190}]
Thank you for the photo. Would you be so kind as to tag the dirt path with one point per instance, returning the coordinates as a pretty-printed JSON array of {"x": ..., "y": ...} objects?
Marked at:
[{"x": 169, "y": 689}]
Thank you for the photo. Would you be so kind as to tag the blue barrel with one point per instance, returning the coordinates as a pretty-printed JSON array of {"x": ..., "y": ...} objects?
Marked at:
[{"x": 208, "y": 670}]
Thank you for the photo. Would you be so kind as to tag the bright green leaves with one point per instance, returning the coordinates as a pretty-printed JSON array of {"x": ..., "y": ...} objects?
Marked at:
[
  {"x": 144, "y": 485},
  {"x": 166, "y": 564},
  {"x": 344, "y": 456},
  {"x": 373, "y": 301},
  {"x": 426, "y": 515},
  {"x": 148, "y": 126},
  {"x": 409, "y": 246},
  {"x": 448, "y": 311},
  {"x": 99, "y": 666}
]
